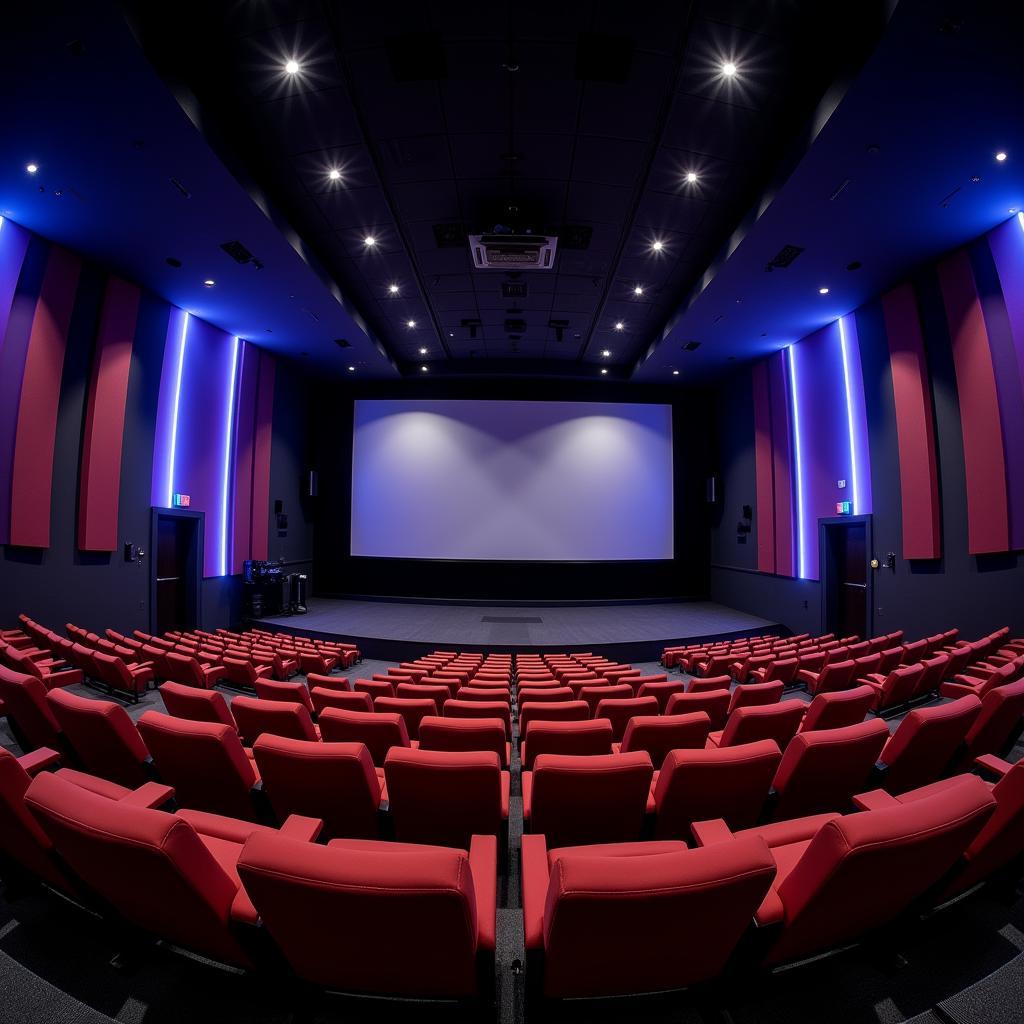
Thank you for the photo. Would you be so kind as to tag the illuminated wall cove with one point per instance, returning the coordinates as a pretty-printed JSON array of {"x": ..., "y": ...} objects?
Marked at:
[
  {"x": 67, "y": 327},
  {"x": 858, "y": 398}
]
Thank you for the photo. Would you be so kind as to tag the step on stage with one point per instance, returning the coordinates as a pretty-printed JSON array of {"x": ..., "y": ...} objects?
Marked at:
[{"x": 393, "y": 630}]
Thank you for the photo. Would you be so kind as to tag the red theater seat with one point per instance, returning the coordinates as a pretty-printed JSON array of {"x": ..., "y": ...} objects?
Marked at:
[
  {"x": 547, "y": 695},
  {"x": 374, "y": 687},
  {"x": 103, "y": 737},
  {"x": 281, "y": 718},
  {"x": 822, "y": 769},
  {"x": 466, "y": 734},
  {"x": 191, "y": 895},
  {"x": 349, "y": 700},
  {"x": 620, "y": 711},
  {"x": 998, "y": 726},
  {"x": 413, "y": 710},
  {"x": 895, "y": 688},
  {"x": 183, "y": 668},
  {"x": 49, "y": 672},
  {"x": 838, "y": 709},
  {"x": 835, "y": 675},
  {"x": 196, "y": 705},
  {"x": 243, "y": 674},
  {"x": 590, "y": 737},
  {"x": 777, "y": 722},
  {"x": 715, "y": 704},
  {"x": 718, "y": 782},
  {"x": 597, "y": 799},
  {"x": 379, "y": 731},
  {"x": 710, "y": 685},
  {"x": 30, "y": 716},
  {"x": 354, "y": 916},
  {"x": 557, "y": 711},
  {"x": 289, "y": 693},
  {"x": 593, "y": 694},
  {"x": 335, "y": 782},
  {"x": 660, "y": 690},
  {"x": 750, "y": 695},
  {"x": 446, "y": 797},
  {"x": 204, "y": 762},
  {"x": 667, "y": 732},
  {"x": 841, "y": 877},
  {"x": 605, "y": 920}
]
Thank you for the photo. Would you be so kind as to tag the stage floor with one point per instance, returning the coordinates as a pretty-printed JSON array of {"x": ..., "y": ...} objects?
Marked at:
[{"x": 393, "y": 628}]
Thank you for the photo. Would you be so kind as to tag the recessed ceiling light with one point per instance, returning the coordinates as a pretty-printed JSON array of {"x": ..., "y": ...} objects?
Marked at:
[
  {"x": 638, "y": 289},
  {"x": 729, "y": 69},
  {"x": 351, "y": 369},
  {"x": 604, "y": 369},
  {"x": 675, "y": 373},
  {"x": 619, "y": 325},
  {"x": 1013, "y": 209},
  {"x": 691, "y": 177},
  {"x": 292, "y": 67},
  {"x": 392, "y": 289},
  {"x": 423, "y": 368},
  {"x": 209, "y": 282},
  {"x": 31, "y": 168},
  {"x": 606, "y": 352},
  {"x": 823, "y": 291},
  {"x": 1000, "y": 156},
  {"x": 451, "y": 334},
  {"x": 334, "y": 174},
  {"x": 657, "y": 245},
  {"x": 423, "y": 351},
  {"x": 410, "y": 323},
  {"x": 369, "y": 240}
]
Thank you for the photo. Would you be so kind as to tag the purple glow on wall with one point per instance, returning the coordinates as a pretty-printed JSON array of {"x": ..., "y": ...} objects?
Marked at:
[
  {"x": 545, "y": 481},
  {"x": 856, "y": 416},
  {"x": 225, "y": 501},
  {"x": 798, "y": 463}
]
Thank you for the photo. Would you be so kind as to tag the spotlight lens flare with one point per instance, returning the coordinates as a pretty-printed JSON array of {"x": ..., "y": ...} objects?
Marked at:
[
  {"x": 638, "y": 290},
  {"x": 691, "y": 177},
  {"x": 31, "y": 168},
  {"x": 1000, "y": 156},
  {"x": 292, "y": 67},
  {"x": 410, "y": 324},
  {"x": 369, "y": 241},
  {"x": 823, "y": 291},
  {"x": 334, "y": 174},
  {"x": 657, "y": 245},
  {"x": 729, "y": 69}
]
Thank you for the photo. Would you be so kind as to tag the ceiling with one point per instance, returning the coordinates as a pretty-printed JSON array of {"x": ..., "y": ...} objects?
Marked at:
[{"x": 579, "y": 119}]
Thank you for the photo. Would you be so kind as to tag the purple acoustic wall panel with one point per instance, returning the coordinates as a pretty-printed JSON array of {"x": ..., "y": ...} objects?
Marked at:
[
  {"x": 165, "y": 444},
  {"x": 261, "y": 457},
  {"x": 856, "y": 416},
  {"x": 14, "y": 331},
  {"x": 518, "y": 481},
  {"x": 915, "y": 425},
  {"x": 800, "y": 540},
  {"x": 100, "y": 473},
  {"x": 782, "y": 462},
  {"x": 32, "y": 465},
  {"x": 980, "y": 423},
  {"x": 764, "y": 471},
  {"x": 1004, "y": 317}
]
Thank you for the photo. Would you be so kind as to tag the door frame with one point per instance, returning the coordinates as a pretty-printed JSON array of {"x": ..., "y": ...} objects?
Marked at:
[
  {"x": 825, "y": 567},
  {"x": 195, "y": 566}
]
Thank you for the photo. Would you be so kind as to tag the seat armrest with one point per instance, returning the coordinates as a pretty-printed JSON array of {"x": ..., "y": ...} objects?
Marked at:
[
  {"x": 989, "y": 764},
  {"x": 771, "y": 912},
  {"x": 483, "y": 863},
  {"x": 805, "y": 675},
  {"x": 874, "y": 800},
  {"x": 39, "y": 760},
  {"x": 707, "y": 833},
  {"x": 243, "y": 910},
  {"x": 298, "y": 826},
  {"x": 534, "y": 864},
  {"x": 149, "y": 794}
]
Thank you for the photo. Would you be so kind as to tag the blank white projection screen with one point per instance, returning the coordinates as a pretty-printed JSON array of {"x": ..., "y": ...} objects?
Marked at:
[{"x": 515, "y": 481}]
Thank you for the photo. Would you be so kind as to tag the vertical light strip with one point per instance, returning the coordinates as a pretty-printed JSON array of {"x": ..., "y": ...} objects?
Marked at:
[
  {"x": 1020, "y": 219},
  {"x": 798, "y": 462},
  {"x": 173, "y": 448},
  {"x": 226, "y": 483},
  {"x": 854, "y": 473}
]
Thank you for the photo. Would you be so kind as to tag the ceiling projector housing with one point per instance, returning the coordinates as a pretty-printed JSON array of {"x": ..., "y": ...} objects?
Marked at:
[{"x": 513, "y": 252}]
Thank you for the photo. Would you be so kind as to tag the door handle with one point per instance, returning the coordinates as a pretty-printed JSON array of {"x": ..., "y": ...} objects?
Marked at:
[
  {"x": 167, "y": 579},
  {"x": 859, "y": 586}
]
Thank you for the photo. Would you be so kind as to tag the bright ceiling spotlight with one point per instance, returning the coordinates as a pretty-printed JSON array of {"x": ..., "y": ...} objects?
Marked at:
[
  {"x": 351, "y": 369},
  {"x": 729, "y": 69},
  {"x": 392, "y": 289},
  {"x": 675, "y": 373},
  {"x": 209, "y": 282},
  {"x": 292, "y": 67},
  {"x": 369, "y": 241},
  {"x": 423, "y": 351},
  {"x": 823, "y": 291},
  {"x": 638, "y": 289},
  {"x": 619, "y": 325},
  {"x": 691, "y": 177},
  {"x": 1000, "y": 157},
  {"x": 410, "y": 323},
  {"x": 31, "y": 168},
  {"x": 606, "y": 352},
  {"x": 657, "y": 245},
  {"x": 604, "y": 369},
  {"x": 423, "y": 368},
  {"x": 334, "y": 174}
]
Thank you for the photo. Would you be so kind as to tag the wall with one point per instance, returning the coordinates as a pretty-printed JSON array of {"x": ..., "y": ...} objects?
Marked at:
[
  {"x": 84, "y": 393},
  {"x": 338, "y": 573},
  {"x": 940, "y": 387}
]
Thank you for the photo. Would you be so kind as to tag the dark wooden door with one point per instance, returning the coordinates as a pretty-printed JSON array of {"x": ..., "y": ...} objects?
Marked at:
[
  {"x": 847, "y": 577},
  {"x": 173, "y": 581}
]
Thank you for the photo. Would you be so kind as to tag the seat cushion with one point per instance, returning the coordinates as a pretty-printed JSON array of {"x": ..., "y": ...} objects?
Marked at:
[{"x": 101, "y": 787}]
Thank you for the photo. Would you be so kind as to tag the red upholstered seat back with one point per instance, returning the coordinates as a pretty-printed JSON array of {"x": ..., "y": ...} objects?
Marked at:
[
  {"x": 593, "y": 694},
  {"x": 346, "y": 699},
  {"x": 822, "y": 769},
  {"x": 862, "y": 870},
  {"x": 926, "y": 741},
  {"x": 22, "y": 839},
  {"x": 367, "y": 917},
  {"x": 379, "y": 730},
  {"x": 777, "y": 722},
  {"x": 838, "y": 709},
  {"x": 601, "y": 905},
  {"x": 196, "y": 705},
  {"x": 412, "y": 709},
  {"x": 599, "y": 799},
  {"x": 590, "y": 737},
  {"x": 443, "y": 797},
  {"x": 286, "y": 692},
  {"x": 332, "y": 781},
  {"x": 660, "y": 690},
  {"x": 480, "y": 709},
  {"x": 711, "y": 684},
  {"x": 714, "y": 703},
  {"x": 282, "y": 718},
  {"x": 667, "y": 732},
  {"x": 464, "y": 734},
  {"x": 998, "y": 724},
  {"x": 530, "y": 695},
  {"x": 749, "y": 695},
  {"x": 204, "y": 762},
  {"x": 619, "y": 712},
  {"x": 726, "y": 782},
  {"x": 1001, "y": 840},
  {"x": 555, "y": 711},
  {"x": 24, "y": 697},
  {"x": 103, "y": 736},
  {"x": 150, "y": 866}
]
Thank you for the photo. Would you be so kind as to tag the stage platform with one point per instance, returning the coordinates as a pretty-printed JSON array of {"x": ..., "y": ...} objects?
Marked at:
[{"x": 400, "y": 630}]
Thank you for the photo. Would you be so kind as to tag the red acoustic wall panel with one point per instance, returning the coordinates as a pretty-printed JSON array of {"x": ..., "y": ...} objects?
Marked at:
[
  {"x": 100, "y": 476},
  {"x": 915, "y": 425},
  {"x": 32, "y": 468},
  {"x": 984, "y": 462},
  {"x": 763, "y": 469}
]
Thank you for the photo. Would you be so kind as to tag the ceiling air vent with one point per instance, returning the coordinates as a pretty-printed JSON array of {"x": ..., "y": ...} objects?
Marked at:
[
  {"x": 517, "y": 252},
  {"x": 237, "y": 251},
  {"x": 513, "y": 289},
  {"x": 691, "y": 346},
  {"x": 784, "y": 257},
  {"x": 342, "y": 343}
]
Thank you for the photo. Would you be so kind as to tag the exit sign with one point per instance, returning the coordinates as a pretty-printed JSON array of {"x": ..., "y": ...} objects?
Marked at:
[
  {"x": 182, "y": 500},
  {"x": 844, "y": 508}
]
